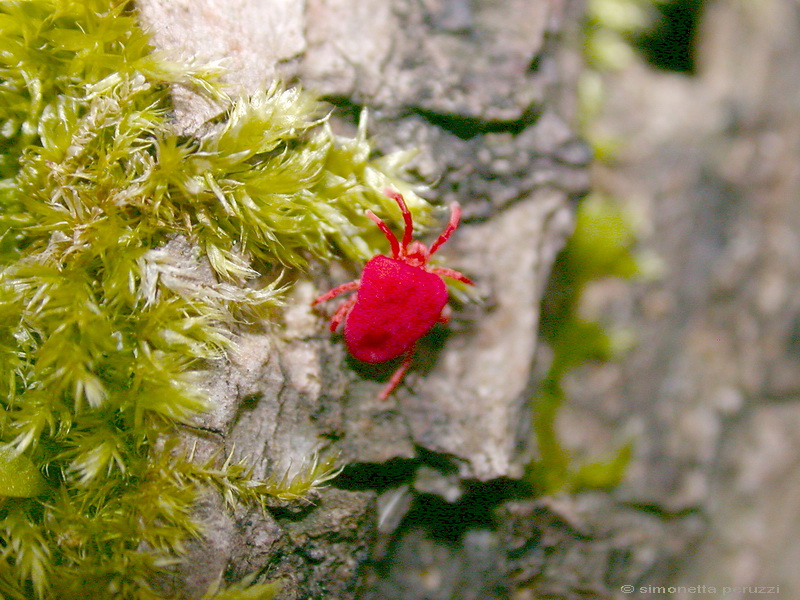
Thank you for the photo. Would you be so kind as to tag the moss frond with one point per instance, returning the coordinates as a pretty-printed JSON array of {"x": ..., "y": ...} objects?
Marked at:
[
  {"x": 244, "y": 590},
  {"x": 235, "y": 483},
  {"x": 310, "y": 477},
  {"x": 26, "y": 547}
]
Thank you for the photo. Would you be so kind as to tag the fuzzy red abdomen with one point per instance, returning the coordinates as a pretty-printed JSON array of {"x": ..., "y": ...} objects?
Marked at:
[{"x": 397, "y": 304}]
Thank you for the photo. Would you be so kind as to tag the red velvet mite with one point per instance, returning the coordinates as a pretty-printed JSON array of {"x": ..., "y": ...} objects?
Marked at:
[{"x": 399, "y": 298}]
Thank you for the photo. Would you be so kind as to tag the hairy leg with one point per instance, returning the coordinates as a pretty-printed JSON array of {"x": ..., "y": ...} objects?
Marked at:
[
  {"x": 345, "y": 287},
  {"x": 408, "y": 231},
  {"x": 452, "y": 225},
  {"x": 341, "y": 312},
  {"x": 393, "y": 243},
  {"x": 451, "y": 274},
  {"x": 398, "y": 375}
]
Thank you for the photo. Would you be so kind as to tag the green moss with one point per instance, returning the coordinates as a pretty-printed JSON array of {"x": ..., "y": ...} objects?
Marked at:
[
  {"x": 127, "y": 254},
  {"x": 599, "y": 248},
  {"x": 244, "y": 590},
  {"x": 614, "y": 33},
  {"x": 19, "y": 477}
]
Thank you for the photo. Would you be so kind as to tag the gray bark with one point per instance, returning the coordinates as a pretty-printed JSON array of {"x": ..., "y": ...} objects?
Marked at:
[{"x": 431, "y": 505}]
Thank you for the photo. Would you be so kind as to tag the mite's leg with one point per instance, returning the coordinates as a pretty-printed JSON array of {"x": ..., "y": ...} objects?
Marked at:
[
  {"x": 393, "y": 243},
  {"x": 451, "y": 274},
  {"x": 408, "y": 232},
  {"x": 341, "y": 312},
  {"x": 455, "y": 216},
  {"x": 345, "y": 287},
  {"x": 398, "y": 375},
  {"x": 444, "y": 318}
]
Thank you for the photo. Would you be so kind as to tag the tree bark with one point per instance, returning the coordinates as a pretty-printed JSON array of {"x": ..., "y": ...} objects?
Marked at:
[{"x": 430, "y": 505}]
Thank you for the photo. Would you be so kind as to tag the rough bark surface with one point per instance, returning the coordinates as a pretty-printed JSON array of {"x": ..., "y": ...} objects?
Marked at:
[
  {"x": 430, "y": 506},
  {"x": 483, "y": 90}
]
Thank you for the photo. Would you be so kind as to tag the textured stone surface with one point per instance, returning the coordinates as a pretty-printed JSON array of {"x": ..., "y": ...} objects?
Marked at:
[{"x": 469, "y": 60}]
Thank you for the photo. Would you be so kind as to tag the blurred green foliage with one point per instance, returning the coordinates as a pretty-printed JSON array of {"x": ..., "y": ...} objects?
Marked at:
[
  {"x": 600, "y": 247},
  {"x": 127, "y": 254},
  {"x": 614, "y": 33}
]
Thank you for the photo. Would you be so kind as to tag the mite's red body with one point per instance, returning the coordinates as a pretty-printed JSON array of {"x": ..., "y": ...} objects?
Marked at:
[
  {"x": 398, "y": 298},
  {"x": 397, "y": 304}
]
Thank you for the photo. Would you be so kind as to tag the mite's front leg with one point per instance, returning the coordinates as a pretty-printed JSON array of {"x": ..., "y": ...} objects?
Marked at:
[{"x": 345, "y": 287}]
